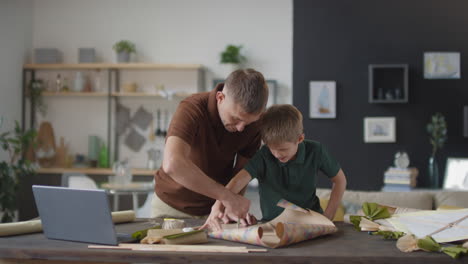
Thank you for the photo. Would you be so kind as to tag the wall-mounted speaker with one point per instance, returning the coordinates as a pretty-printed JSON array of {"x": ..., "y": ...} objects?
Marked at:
[{"x": 465, "y": 121}]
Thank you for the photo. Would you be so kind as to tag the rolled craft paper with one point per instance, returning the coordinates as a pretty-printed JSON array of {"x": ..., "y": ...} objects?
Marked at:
[
  {"x": 123, "y": 216},
  {"x": 35, "y": 226},
  {"x": 9, "y": 229}
]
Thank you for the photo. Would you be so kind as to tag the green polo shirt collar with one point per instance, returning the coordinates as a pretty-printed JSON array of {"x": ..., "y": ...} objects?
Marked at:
[{"x": 300, "y": 157}]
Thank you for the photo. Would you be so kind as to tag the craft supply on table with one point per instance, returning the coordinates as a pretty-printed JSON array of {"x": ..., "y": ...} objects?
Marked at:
[
  {"x": 181, "y": 248},
  {"x": 293, "y": 225},
  {"x": 34, "y": 226},
  {"x": 171, "y": 223}
]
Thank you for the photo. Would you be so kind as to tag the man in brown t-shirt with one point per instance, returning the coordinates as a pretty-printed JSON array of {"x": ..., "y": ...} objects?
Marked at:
[{"x": 211, "y": 137}]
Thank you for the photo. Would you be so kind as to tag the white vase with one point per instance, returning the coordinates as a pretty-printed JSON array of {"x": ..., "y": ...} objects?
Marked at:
[{"x": 79, "y": 82}]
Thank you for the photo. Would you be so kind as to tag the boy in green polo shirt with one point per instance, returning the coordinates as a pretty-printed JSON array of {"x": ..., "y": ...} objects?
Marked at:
[{"x": 286, "y": 168}]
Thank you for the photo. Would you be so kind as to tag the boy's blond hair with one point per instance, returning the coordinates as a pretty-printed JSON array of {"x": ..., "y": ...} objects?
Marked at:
[{"x": 281, "y": 123}]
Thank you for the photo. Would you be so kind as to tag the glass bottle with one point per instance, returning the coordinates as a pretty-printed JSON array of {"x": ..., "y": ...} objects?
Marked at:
[{"x": 58, "y": 83}]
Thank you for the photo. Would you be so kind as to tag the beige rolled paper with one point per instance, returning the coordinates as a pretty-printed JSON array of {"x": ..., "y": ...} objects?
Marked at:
[
  {"x": 35, "y": 226},
  {"x": 123, "y": 216},
  {"x": 18, "y": 228}
]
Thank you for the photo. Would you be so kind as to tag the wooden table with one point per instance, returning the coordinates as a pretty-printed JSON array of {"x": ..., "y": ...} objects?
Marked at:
[{"x": 346, "y": 246}]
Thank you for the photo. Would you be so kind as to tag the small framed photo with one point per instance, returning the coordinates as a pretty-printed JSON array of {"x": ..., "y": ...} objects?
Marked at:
[
  {"x": 379, "y": 129},
  {"x": 442, "y": 65},
  {"x": 322, "y": 99}
]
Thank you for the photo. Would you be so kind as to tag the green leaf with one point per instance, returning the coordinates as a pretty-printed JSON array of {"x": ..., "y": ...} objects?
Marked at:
[
  {"x": 455, "y": 252},
  {"x": 373, "y": 211},
  {"x": 429, "y": 244},
  {"x": 140, "y": 234},
  {"x": 389, "y": 234},
  {"x": 174, "y": 236},
  {"x": 356, "y": 220}
]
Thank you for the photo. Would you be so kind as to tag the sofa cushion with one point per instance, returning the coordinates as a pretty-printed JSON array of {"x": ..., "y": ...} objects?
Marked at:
[
  {"x": 414, "y": 199},
  {"x": 451, "y": 198}
]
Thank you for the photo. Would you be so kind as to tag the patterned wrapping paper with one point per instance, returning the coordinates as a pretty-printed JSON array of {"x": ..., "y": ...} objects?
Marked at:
[{"x": 294, "y": 225}]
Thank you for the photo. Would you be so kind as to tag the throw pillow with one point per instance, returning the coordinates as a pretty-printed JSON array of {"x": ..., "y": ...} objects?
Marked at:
[{"x": 339, "y": 216}]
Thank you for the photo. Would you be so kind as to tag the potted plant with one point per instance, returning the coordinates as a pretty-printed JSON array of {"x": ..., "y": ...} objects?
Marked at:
[
  {"x": 437, "y": 129},
  {"x": 15, "y": 167},
  {"x": 36, "y": 87},
  {"x": 231, "y": 57},
  {"x": 123, "y": 49}
]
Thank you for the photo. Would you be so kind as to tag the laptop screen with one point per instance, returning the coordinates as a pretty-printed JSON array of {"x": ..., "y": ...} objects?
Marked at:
[{"x": 75, "y": 214}]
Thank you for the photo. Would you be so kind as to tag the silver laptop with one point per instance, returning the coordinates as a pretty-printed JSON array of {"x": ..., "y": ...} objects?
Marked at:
[{"x": 76, "y": 215}]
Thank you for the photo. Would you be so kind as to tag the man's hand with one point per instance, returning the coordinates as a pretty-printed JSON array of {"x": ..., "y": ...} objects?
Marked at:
[
  {"x": 213, "y": 220},
  {"x": 236, "y": 207}
]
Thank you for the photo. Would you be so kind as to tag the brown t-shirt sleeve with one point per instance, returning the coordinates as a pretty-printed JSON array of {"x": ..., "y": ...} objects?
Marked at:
[{"x": 185, "y": 122}]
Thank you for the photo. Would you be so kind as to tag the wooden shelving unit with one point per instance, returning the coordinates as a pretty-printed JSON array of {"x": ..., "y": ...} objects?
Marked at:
[
  {"x": 84, "y": 94},
  {"x": 111, "y": 96},
  {"x": 106, "y": 66},
  {"x": 92, "y": 171}
]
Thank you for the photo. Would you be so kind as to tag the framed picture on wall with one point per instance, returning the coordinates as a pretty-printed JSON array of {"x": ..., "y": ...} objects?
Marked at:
[
  {"x": 456, "y": 173},
  {"x": 442, "y": 65},
  {"x": 272, "y": 90},
  {"x": 322, "y": 99},
  {"x": 379, "y": 129}
]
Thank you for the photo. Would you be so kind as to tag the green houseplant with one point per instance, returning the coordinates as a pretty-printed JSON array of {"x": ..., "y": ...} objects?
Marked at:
[
  {"x": 437, "y": 129},
  {"x": 14, "y": 168},
  {"x": 232, "y": 54},
  {"x": 123, "y": 49},
  {"x": 36, "y": 87}
]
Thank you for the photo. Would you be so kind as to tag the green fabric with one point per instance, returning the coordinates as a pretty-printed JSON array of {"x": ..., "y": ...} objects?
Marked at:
[
  {"x": 178, "y": 235},
  {"x": 294, "y": 181},
  {"x": 429, "y": 244},
  {"x": 389, "y": 234},
  {"x": 140, "y": 234},
  {"x": 373, "y": 211}
]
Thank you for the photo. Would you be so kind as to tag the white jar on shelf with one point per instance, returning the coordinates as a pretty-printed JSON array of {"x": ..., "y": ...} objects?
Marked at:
[{"x": 79, "y": 82}]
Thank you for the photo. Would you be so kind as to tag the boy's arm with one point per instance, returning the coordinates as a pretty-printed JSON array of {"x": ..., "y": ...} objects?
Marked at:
[{"x": 338, "y": 188}]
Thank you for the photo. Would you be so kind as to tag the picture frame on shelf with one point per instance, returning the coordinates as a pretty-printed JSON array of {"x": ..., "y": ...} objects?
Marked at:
[
  {"x": 272, "y": 90},
  {"x": 456, "y": 174},
  {"x": 379, "y": 129},
  {"x": 322, "y": 99},
  {"x": 442, "y": 65}
]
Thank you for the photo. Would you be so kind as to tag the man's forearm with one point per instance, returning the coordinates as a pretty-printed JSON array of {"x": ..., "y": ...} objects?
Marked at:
[{"x": 190, "y": 176}]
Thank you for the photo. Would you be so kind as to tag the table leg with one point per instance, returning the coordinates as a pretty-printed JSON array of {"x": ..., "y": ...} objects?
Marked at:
[
  {"x": 135, "y": 201},
  {"x": 116, "y": 202}
]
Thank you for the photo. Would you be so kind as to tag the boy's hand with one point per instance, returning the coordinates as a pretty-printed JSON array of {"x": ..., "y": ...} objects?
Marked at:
[
  {"x": 236, "y": 207},
  {"x": 248, "y": 221}
]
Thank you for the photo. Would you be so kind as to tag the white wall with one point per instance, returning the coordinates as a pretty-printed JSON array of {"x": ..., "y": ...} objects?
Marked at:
[
  {"x": 15, "y": 43},
  {"x": 170, "y": 31},
  {"x": 174, "y": 31}
]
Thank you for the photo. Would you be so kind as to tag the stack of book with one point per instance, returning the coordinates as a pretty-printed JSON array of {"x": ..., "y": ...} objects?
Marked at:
[{"x": 398, "y": 179}]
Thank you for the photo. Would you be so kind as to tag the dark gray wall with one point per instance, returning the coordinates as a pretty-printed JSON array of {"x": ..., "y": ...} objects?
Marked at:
[{"x": 337, "y": 40}]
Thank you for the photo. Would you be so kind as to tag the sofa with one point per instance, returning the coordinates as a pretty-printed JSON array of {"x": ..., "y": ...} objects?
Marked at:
[{"x": 417, "y": 199}]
